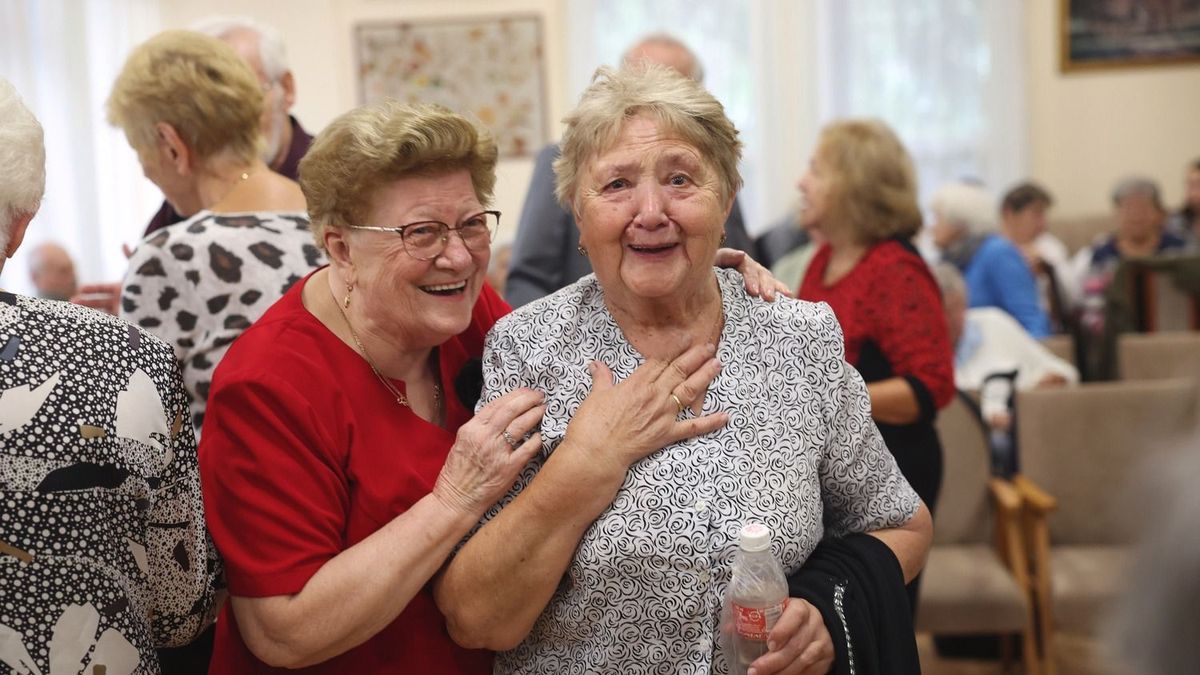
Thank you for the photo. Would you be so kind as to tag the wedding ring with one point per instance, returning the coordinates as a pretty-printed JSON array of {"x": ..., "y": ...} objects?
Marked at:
[
  {"x": 512, "y": 442},
  {"x": 678, "y": 403}
]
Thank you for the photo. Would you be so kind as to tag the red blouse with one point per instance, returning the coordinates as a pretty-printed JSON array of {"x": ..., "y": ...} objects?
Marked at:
[
  {"x": 889, "y": 305},
  {"x": 304, "y": 454}
]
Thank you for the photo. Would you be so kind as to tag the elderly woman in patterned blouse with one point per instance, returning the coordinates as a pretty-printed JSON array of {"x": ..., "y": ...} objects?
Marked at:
[
  {"x": 613, "y": 551},
  {"x": 191, "y": 109}
]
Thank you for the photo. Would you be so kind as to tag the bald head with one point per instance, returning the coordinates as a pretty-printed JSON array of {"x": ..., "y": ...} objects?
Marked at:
[
  {"x": 52, "y": 271},
  {"x": 665, "y": 50}
]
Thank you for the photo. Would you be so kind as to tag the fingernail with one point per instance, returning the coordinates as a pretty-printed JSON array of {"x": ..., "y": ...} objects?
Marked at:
[
  {"x": 752, "y": 671},
  {"x": 771, "y": 646}
]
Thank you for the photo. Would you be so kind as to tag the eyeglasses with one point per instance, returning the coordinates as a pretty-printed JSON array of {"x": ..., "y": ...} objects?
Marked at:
[{"x": 427, "y": 239}]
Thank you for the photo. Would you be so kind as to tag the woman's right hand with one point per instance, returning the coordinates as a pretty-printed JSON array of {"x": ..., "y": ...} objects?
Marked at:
[
  {"x": 483, "y": 465},
  {"x": 622, "y": 423}
]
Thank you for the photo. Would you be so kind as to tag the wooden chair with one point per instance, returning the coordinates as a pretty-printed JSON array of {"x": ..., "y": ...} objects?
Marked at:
[
  {"x": 1078, "y": 447},
  {"x": 975, "y": 581}
]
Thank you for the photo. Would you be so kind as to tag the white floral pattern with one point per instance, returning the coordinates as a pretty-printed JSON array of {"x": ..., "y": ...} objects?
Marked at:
[{"x": 800, "y": 453}]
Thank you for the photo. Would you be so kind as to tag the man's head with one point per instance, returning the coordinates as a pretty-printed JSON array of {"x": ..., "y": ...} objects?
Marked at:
[
  {"x": 262, "y": 48},
  {"x": 22, "y": 169},
  {"x": 52, "y": 272},
  {"x": 1023, "y": 212},
  {"x": 665, "y": 50},
  {"x": 1140, "y": 211}
]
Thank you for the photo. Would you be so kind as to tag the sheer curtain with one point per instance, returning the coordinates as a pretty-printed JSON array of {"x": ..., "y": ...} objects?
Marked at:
[
  {"x": 947, "y": 75},
  {"x": 62, "y": 56}
]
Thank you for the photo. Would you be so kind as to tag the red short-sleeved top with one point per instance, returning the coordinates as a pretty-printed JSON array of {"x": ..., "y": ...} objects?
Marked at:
[
  {"x": 304, "y": 453},
  {"x": 889, "y": 304}
]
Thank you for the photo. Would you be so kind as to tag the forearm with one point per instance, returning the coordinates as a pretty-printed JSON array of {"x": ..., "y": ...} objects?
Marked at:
[
  {"x": 499, "y": 583},
  {"x": 909, "y": 542},
  {"x": 357, "y": 593},
  {"x": 893, "y": 401}
]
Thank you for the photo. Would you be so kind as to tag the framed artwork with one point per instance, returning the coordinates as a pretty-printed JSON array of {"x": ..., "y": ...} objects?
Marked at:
[
  {"x": 488, "y": 68},
  {"x": 1101, "y": 34}
]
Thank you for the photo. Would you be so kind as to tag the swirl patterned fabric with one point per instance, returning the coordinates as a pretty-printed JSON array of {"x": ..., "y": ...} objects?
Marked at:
[{"x": 645, "y": 590}]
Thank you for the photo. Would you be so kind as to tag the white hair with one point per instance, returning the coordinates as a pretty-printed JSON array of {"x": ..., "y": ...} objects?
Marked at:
[
  {"x": 271, "y": 50},
  {"x": 22, "y": 160},
  {"x": 966, "y": 205}
]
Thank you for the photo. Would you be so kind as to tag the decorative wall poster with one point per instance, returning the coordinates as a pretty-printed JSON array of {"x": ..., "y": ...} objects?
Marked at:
[{"x": 489, "y": 68}]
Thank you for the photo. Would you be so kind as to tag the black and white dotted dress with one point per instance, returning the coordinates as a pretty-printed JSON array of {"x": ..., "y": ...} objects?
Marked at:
[
  {"x": 103, "y": 550},
  {"x": 800, "y": 453},
  {"x": 199, "y": 283}
]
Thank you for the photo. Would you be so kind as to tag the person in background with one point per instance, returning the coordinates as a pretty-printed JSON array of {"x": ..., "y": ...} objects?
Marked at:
[
  {"x": 497, "y": 275},
  {"x": 612, "y": 552},
  {"x": 52, "y": 271},
  {"x": 285, "y": 141},
  {"x": 1140, "y": 233},
  {"x": 995, "y": 271},
  {"x": 987, "y": 341},
  {"x": 545, "y": 253},
  {"x": 860, "y": 193},
  {"x": 781, "y": 238},
  {"x": 1023, "y": 222},
  {"x": 103, "y": 550},
  {"x": 191, "y": 108},
  {"x": 1185, "y": 223},
  {"x": 792, "y": 265}
]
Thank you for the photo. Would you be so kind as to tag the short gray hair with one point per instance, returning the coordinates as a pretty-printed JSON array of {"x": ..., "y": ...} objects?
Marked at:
[
  {"x": 967, "y": 205},
  {"x": 271, "y": 50},
  {"x": 1137, "y": 186},
  {"x": 22, "y": 160},
  {"x": 695, "y": 71},
  {"x": 679, "y": 105}
]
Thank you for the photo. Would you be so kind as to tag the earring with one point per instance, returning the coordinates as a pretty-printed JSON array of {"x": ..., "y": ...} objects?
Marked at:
[
  {"x": 582, "y": 250},
  {"x": 346, "y": 300},
  {"x": 722, "y": 239}
]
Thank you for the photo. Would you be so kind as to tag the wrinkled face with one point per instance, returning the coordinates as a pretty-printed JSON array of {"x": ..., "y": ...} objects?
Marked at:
[
  {"x": 1138, "y": 217},
  {"x": 1193, "y": 189},
  {"x": 650, "y": 214},
  {"x": 421, "y": 302},
  {"x": 944, "y": 232},
  {"x": 816, "y": 190},
  {"x": 1027, "y": 224}
]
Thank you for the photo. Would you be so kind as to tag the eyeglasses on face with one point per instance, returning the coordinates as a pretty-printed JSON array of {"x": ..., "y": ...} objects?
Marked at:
[{"x": 425, "y": 240}]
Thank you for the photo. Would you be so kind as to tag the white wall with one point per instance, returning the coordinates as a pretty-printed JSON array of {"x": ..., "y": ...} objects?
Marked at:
[
  {"x": 319, "y": 34},
  {"x": 1089, "y": 129}
]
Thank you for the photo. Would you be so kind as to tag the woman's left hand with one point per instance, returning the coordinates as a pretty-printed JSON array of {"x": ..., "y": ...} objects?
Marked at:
[
  {"x": 800, "y": 643},
  {"x": 759, "y": 281}
]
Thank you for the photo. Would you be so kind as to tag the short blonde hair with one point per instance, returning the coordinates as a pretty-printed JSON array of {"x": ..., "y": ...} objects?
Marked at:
[
  {"x": 199, "y": 86},
  {"x": 680, "y": 106},
  {"x": 373, "y": 145},
  {"x": 874, "y": 184}
]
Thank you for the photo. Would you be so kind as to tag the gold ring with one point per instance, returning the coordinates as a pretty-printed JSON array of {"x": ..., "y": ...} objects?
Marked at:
[{"x": 678, "y": 403}]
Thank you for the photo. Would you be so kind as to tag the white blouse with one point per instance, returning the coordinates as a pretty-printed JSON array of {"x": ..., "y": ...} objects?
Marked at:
[{"x": 800, "y": 453}]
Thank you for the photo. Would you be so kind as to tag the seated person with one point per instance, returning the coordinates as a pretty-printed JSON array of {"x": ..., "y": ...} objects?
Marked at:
[
  {"x": 780, "y": 239},
  {"x": 1185, "y": 223},
  {"x": 52, "y": 272},
  {"x": 995, "y": 272},
  {"x": 546, "y": 254},
  {"x": 103, "y": 551},
  {"x": 1023, "y": 222},
  {"x": 1140, "y": 233}
]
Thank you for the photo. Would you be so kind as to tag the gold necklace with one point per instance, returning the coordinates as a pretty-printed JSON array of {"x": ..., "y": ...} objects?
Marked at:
[{"x": 399, "y": 395}]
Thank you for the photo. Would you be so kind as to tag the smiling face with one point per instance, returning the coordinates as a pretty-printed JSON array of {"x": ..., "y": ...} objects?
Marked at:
[
  {"x": 816, "y": 188},
  {"x": 650, "y": 215},
  {"x": 417, "y": 303}
]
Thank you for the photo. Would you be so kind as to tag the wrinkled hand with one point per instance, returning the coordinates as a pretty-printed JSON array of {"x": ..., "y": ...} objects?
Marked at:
[
  {"x": 759, "y": 280},
  {"x": 482, "y": 466},
  {"x": 623, "y": 423},
  {"x": 799, "y": 643},
  {"x": 104, "y": 297}
]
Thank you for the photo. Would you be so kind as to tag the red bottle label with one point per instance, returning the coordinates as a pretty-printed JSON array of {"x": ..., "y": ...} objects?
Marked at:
[{"x": 755, "y": 623}]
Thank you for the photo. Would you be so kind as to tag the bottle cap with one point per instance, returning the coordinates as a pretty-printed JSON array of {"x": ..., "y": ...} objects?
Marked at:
[{"x": 755, "y": 537}]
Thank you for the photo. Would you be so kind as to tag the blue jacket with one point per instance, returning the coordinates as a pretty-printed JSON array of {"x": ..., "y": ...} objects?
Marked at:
[{"x": 997, "y": 276}]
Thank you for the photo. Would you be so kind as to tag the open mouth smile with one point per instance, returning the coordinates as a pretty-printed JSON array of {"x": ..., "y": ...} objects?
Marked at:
[{"x": 446, "y": 289}]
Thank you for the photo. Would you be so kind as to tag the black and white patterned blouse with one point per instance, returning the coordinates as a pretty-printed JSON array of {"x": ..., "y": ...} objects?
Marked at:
[
  {"x": 103, "y": 550},
  {"x": 199, "y": 283},
  {"x": 800, "y": 453}
]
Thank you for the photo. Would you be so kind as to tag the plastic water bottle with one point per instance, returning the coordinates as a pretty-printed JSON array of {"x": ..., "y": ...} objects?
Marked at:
[{"x": 757, "y": 595}]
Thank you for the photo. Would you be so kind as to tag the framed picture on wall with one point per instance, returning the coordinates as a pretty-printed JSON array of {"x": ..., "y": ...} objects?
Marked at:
[
  {"x": 1100, "y": 34},
  {"x": 488, "y": 68}
]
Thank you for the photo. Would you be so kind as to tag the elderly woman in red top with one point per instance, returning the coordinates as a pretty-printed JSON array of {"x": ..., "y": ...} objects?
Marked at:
[
  {"x": 340, "y": 460},
  {"x": 860, "y": 194}
]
